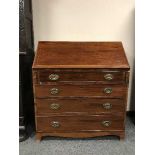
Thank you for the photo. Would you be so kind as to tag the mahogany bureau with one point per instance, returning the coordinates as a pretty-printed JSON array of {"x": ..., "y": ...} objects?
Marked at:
[{"x": 80, "y": 89}]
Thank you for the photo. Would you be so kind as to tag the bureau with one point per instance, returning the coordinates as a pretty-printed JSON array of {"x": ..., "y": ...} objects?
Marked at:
[{"x": 80, "y": 89}]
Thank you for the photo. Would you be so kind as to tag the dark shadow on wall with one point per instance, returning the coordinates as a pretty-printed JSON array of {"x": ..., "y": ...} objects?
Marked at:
[{"x": 132, "y": 95}]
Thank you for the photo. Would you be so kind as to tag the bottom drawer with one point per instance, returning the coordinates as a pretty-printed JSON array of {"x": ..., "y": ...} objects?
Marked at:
[{"x": 80, "y": 123}]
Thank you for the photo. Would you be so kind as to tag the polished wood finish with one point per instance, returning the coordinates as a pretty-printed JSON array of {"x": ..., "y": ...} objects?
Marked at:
[
  {"x": 75, "y": 55},
  {"x": 79, "y": 105},
  {"x": 44, "y": 91},
  {"x": 81, "y": 134},
  {"x": 80, "y": 123},
  {"x": 85, "y": 75},
  {"x": 80, "y": 89}
]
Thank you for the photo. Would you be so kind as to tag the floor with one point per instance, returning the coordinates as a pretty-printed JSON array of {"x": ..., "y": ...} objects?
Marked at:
[{"x": 109, "y": 145}]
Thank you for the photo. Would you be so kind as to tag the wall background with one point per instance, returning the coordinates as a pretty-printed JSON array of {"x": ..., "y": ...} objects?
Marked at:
[{"x": 87, "y": 20}]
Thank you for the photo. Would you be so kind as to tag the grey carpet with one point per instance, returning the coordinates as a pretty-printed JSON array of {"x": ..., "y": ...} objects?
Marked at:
[{"x": 94, "y": 146}]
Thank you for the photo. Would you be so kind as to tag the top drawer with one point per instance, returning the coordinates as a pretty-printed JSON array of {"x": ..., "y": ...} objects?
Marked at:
[{"x": 53, "y": 75}]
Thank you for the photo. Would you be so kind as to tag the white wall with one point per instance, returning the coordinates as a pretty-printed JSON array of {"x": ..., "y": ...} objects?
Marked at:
[{"x": 86, "y": 20}]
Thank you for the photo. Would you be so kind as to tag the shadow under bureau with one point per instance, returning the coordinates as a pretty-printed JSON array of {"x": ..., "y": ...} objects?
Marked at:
[{"x": 80, "y": 89}]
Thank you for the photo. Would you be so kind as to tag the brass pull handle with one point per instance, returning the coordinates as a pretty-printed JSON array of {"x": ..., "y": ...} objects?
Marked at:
[
  {"x": 107, "y": 106},
  {"x": 54, "y": 91},
  {"x": 108, "y": 90},
  {"x": 55, "y": 106},
  {"x": 106, "y": 123},
  {"x": 108, "y": 77},
  {"x": 53, "y": 77},
  {"x": 55, "y": 124}
]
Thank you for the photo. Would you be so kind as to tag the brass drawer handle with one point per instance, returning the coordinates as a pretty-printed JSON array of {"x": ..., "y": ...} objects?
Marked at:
[
  {"x": 55, "y": 124},
  {"x": 55, "y": 106},
  {"x": 54, "y": 91},
  {"x": 108, "y": 77},
  {"x": 106, "y": 123},
  {"x": 108, "y": 90},
  {"x": 53, "y": 77},
  {"x": 107, "y": 106}
]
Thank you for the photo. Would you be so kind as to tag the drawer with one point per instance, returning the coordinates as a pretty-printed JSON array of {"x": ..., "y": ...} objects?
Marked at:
[
  {"x": 43, "y": 91},
  {"x": 80, "y": 123},
  {"x": 77, "y": 105},
  {"x": 46, "y": 76}
]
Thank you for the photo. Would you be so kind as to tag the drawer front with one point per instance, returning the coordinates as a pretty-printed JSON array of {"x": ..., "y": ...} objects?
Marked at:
[
  {"x": 43, "y": 91},
  {"x": 80, "y": 123},
  {"x": 77, "y": 105},
  {"x": 64, "y": 76}
]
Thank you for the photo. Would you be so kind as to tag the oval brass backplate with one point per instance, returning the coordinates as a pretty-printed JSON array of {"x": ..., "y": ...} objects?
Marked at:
[
  {"x": 107, "y": 106},
  {"x": 55, "y": 124},
  {"x": 106, "y": 123},
  {"x": 108, "y": 77},
  {"x": 55, "y": 106},
  {"x": 108, "y": 90},
  {"x": 53, "y": 77},
  {"x": 54, "y": 91}
]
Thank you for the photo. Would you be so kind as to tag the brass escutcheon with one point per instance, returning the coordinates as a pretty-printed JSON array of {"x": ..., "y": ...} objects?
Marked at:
[
  {"x": 53, "y": 77},
  {"x": 55, "y": 106},
  {"x": 54, "y": 91},
  {"x": 108, "y": 77},
  {"x": 106, "y": 123},
  {"x": 55, "y": 124},
  {"x": 107, "y": 106},
  {"x": 108, "y": 90}
]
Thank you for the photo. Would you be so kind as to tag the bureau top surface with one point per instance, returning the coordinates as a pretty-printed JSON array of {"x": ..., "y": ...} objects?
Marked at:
[{"x": 80, "y": 55}]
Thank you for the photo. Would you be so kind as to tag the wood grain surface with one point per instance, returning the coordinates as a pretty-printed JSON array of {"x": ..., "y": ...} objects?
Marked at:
[
  {"x": 78, "y": 106},
  {"x": 87, "y": 75},
  {"x": 80, "y": 123},
  {"x": 66, "y": 90},
  {"x": 81, "y": 134},
  {"x": 80, "y": 55}
]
